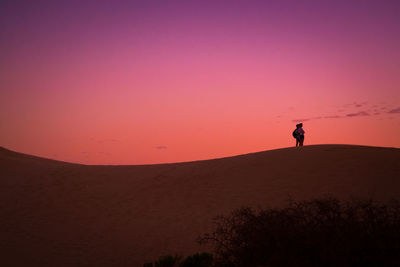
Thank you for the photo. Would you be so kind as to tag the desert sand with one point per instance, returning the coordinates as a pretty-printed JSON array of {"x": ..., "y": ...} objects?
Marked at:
[{"x": 61, "y": 214}]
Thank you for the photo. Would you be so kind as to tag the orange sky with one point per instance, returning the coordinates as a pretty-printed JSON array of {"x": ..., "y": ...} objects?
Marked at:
[{"x": 136, "y": 84}]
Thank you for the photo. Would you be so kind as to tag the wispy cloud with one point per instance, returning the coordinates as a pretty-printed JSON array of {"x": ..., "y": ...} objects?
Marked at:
[
  {"x": 394, "y": 111},
  {"x": 352, "y": 110},
  {"x": 349, "y": 115},
  {"x": 360, "y": 104},
  {"x": 307, "y": 119},
  {"x": 300, "y": 120},
  {"x": 361, "y": 113},
  {"x": 333, "y": 117},
  {"x": 355, "y": 104}
]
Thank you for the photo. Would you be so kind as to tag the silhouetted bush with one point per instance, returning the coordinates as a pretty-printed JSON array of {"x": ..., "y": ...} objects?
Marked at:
[
  {"x": 321, "y": 232},
  {"x": 198, "y": 260},
  {"x": 167, "y": 261}
]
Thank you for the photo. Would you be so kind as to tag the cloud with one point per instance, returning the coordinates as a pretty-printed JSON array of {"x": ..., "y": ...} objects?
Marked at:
[
  {"x": 394, "y": 111},
  {"x": 355, "y": 104},
  {"x": 360, "y": 104},
  {"x": 333, "y": 117},
  {"x": 361, "y": 113},
  {"x": 307, "y": 119},
  {"x": 161, "y": 147},
  {"x": 300, "y": 120},
  {"x": 352, "y": 110}
]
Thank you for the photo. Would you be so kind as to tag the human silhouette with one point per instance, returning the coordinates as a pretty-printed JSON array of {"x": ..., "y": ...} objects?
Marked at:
[{"x": 299, "y": 134}]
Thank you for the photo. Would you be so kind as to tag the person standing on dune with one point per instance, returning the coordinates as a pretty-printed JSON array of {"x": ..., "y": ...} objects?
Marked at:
[{"x": 299, "y": 134}]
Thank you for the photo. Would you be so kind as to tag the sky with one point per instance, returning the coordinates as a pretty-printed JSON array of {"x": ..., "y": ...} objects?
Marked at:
[{"x": 145, "y": 82}]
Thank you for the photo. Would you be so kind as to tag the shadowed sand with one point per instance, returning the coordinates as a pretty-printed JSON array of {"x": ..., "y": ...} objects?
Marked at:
[{"x": 61, "y": 214}]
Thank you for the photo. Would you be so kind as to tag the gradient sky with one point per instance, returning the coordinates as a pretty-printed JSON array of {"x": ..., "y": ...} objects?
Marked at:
[{"x": 138, "y": 82}]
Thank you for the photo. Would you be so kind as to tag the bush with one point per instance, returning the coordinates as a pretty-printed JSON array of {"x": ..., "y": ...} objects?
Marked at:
[
  {"x": 168, "y": 261},
  {"x": 198, "y": 260},
  {"x": 321, "y": 232}
]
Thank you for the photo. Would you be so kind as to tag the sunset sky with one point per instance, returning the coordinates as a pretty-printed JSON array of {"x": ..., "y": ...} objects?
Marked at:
[{"x": 142, "y": 82}]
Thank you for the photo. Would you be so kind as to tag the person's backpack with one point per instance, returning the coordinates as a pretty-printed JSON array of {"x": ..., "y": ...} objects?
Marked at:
[{"x": 294, "y": 133}]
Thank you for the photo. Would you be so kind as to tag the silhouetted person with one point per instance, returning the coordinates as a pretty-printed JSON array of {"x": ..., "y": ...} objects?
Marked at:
[{"x": 299, "y": 134}]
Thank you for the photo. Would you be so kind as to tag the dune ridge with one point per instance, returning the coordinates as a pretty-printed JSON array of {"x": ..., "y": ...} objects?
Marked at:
[{"x": 63, "y": 214}]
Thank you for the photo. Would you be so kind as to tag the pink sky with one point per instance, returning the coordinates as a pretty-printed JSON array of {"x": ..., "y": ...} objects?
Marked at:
[{"x": 143, "y": 82}]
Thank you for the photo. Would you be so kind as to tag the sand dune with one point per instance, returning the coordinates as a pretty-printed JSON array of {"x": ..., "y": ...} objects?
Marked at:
[{"x": 61, "y": 214}]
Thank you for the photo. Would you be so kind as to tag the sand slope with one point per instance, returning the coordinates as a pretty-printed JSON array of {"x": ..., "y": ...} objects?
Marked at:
[{"x": 61, "y": 214}]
